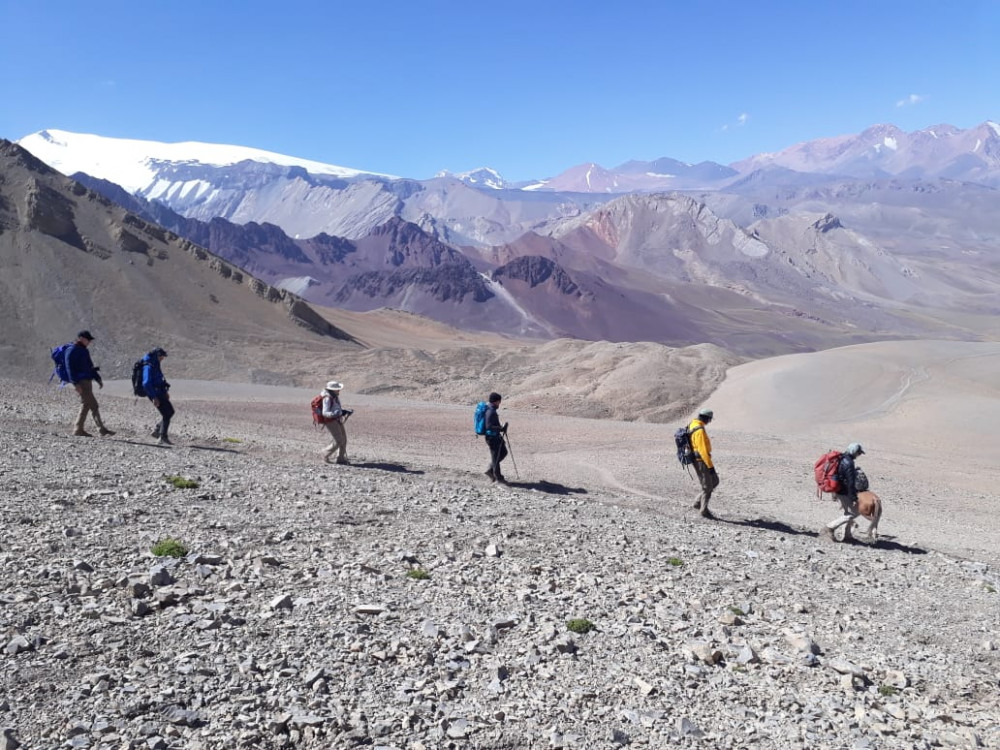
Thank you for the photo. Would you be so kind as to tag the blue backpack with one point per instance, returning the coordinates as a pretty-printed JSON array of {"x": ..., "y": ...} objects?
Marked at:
[
  {"x": 480, "y": 418},
  {"x": 59, "y": 355}
]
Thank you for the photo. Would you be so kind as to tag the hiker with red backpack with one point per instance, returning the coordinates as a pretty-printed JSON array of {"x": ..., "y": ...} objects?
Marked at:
[
  {"x": 842, "y": 483},
  {"x": 328, "y": 411}
]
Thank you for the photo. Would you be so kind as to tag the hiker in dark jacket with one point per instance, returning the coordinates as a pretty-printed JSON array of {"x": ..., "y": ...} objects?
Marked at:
[
  {"x": 82, "y": 374},
  {"x": 701, "y": 445},
  {"x": 848, "y": 495},
  {"x": 494, "y": 438},
  {"x": 158, "y": 390}
]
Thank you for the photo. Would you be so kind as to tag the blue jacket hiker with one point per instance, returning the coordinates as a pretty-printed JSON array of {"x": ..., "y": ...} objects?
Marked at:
[
  {"x": 494, "y": 439},
  {"x": 82, "y": 374},
  {"x": 158, "y": 390}
]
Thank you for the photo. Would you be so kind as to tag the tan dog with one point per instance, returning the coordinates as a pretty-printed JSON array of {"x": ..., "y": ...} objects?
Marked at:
[{"x": 870, "y": 506}]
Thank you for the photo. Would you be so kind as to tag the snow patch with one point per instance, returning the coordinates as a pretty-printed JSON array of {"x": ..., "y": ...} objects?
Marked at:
[
  {"x": 890, "y": 143},
  {"x": 297, "y": 284},
  {"x": 979, "y": 143},
  {"x": 133, "y": 163},
  {"x": 505, "y": 296},
  {"x": 994, "y": 126}
]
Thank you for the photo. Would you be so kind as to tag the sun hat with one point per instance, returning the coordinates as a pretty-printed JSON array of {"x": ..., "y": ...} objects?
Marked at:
[
  {"x": 333, "y": 385},
  {"x": 707, "y": 413},
  {"x": 854, "y": 449}
]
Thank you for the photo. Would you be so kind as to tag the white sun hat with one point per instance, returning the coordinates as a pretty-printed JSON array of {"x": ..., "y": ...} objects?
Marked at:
[{"x": 333, "y": 385}]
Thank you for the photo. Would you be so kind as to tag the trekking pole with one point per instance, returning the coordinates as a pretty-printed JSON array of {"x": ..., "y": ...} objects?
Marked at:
[{"x": 510, "y": 452}]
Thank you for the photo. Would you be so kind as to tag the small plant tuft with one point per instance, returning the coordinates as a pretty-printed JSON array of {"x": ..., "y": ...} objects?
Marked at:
[
  {"x": 169, "y": 547},
  {"x": 418, "y": 574},
  {"x": 887, "y": 690},
  {"x": 580, "y": 625},
  {"x": 990, "y": 589},
  {"x": 182, "y": 483},
  {"x": 675, "y": 561},
  {"x": 737, "y": 611},
  {"x": 231, "y": 440}
]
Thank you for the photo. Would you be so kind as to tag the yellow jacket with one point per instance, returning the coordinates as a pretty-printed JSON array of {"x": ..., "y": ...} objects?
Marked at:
[{"x": 700, "y": 442}]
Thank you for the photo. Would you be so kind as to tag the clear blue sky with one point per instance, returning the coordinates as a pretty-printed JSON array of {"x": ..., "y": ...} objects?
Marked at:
[{"x": 529, "y": 88}]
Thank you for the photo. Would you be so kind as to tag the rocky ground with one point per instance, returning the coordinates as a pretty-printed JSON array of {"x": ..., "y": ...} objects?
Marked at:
[{"x": 405, "y": 602}]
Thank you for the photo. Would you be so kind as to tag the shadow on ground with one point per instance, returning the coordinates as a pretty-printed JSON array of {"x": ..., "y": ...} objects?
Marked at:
[
  {"x": 552, "y": 488},
  {"x": 783, "y": 528},
  {"x": 385, "y": 466}
]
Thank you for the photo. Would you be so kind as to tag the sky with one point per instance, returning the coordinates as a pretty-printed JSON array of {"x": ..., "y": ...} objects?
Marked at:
[{"x": 527, "y": 88}]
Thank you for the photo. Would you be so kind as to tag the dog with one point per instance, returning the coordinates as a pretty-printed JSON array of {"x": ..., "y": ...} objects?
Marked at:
[{"x": 870, "y": 506}]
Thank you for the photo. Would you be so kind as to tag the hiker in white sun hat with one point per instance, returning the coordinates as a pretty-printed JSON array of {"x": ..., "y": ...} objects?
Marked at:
[{"x": 334, "y": 417}]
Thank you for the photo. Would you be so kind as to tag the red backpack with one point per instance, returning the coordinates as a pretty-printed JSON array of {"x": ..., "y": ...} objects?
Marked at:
[
  {"x": 826, "y": 473},
  {"x": 317, "y": 411}
]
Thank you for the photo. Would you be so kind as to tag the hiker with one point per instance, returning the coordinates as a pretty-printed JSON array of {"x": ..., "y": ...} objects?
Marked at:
[
  {"x": 847, "y": 495},
  {"x": 494, "y": 438},
  {"x": 701, "y": 445},
  {"x": 81, "y": 372},
  {"x": 334, "y": 417},
  {"x": 158, "y": 391}
]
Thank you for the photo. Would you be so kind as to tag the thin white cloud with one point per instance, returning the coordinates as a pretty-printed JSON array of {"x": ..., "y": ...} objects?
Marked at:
[
  {"x": 911, "y": 100},
  {"x": 740, "y": 121}
]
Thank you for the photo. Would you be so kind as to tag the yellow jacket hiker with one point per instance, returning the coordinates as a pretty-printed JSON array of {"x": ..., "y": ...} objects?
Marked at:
[{"x": 701, "y": 444}]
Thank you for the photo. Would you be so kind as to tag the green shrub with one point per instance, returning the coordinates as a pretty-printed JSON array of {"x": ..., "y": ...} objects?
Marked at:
[
  {"x": 182, "y": 483},
  {"x": 231, "y": 440},
  {"x": 990, "y": 589},
  {"x": 580, "y": 625},
  {"x": 737, "y": 611},
  {"x": 675, "y": 561},
  {"x": 169, "y": 547},
  {"x": 887, "y": 690},
  {"x": 418, "y": 574}
]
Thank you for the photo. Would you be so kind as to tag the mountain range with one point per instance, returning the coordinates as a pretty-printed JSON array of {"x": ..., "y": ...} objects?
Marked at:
[{"x": 839, "y": 240}]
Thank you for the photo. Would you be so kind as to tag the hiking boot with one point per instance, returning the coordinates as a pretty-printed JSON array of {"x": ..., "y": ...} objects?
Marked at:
[
  {"x": 81, "y": 433},
  {"x": 343, "y": 460},
  {"x": 827, "y": 533},
  {"x": 105, "y": 432},
  {"x": 164, "y": 440},
  {"x": 489, "y": 473},
  {"x": 697, "y": 505},
  {"x": 500, "y": 480},
  {"x": 706, "y": 513},
  {"x": 155, "y": 433}
]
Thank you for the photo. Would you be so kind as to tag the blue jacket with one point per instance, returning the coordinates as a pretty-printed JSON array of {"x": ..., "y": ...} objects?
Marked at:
[
  {"x": 79, "y": 365},
  {"x": 153, "y": 381}
]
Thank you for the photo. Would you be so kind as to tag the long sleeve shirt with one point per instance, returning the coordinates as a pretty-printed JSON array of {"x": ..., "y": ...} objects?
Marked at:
[
  {"x": 331, "y": 406},
  {"x": 701, "y": 444}
]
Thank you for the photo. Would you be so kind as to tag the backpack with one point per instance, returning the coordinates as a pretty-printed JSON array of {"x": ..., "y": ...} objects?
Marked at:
[
  {"x": 317, "y": 411},
  {"x": 59, "y": 356},
  {"x": 479, "y": 420},
  {"x": 825, "y": 470},
  {"x": 137, "y": 388},
  {"x": 860, "y": 480},
  {"x": 685, "y": 451}
]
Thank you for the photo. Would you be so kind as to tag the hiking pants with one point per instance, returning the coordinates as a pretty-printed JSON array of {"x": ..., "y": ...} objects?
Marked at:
[
  {"x": 339, "y": 435},
  {"x": 709, "y": 480},
  {"x": 850, "y": 508},
  {"x": 166, "y": 410},
  {"x": 498, "y": 452},
  {"x": 88, "y": 405}
]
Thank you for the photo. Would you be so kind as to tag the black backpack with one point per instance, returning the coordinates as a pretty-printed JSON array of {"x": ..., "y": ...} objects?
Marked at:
[
  {"x": 685, "y": 452},
  {"x": 137, "y": 388}
]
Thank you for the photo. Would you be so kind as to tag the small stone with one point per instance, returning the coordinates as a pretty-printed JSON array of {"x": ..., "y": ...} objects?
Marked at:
[
  {"x": 492, "y": 550},
  {"x": 644, "y": 687},
  {"x": 369, "y": 609},
  {"x": 17, "y": 645},
  {"x": 459, "y": 729},
  {"x": 282, "y": 601},
  {"x": 83, "y": 565},
  {"x": 160, "y": 576},
  {"x": 747, "y": 655}
]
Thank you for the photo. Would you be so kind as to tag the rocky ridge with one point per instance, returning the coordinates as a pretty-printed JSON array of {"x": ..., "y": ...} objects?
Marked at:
[{"x": 296, "y": 619}]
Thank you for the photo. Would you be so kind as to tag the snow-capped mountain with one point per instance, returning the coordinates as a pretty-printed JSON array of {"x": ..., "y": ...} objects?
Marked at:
[
  {"x": 885, "y": 150},
  {"x": 482, "y": 177},
  {"x": 138, "y": 166}
]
